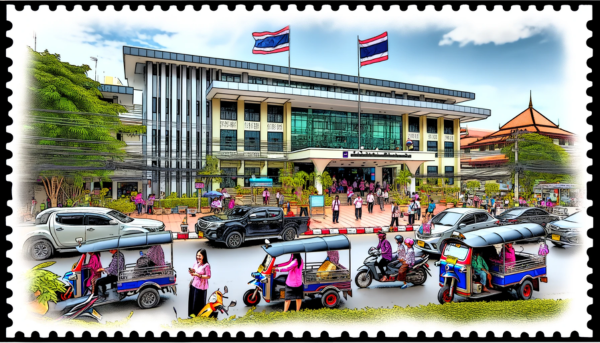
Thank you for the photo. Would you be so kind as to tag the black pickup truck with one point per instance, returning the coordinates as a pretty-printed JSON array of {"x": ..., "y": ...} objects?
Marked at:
[{"x": 233, "y": 227}]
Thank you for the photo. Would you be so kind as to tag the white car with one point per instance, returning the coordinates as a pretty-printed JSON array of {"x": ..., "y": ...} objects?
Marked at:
[{"x": 61, "y": 229}]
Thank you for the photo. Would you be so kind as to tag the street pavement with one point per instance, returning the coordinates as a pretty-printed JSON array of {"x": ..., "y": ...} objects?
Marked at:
[{"x": 232, "y": 268}]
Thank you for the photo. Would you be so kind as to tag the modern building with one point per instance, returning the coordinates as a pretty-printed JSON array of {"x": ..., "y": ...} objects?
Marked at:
[{"x": 252, "y": 120}]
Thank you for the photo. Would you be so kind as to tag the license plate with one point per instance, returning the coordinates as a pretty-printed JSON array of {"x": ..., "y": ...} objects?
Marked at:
[
  {"x": 200, "y": 234},
  {"x": 421, "y": 243},
  {"x": 556, "y": 237},
  {"x": 451, "y": 260}
]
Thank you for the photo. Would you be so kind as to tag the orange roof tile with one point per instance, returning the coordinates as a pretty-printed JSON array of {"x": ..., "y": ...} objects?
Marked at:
[{"x": 490, "y": 158}]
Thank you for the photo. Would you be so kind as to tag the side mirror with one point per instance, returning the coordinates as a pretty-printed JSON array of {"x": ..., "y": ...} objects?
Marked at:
[
  {"x": 79, "y": 240},
  {"x": 267, "y": 241},
  {"x": 233, "y": 303},
  {"x": 462, "y": 225},
  {"x": 225, "y": 290},
  {"x": 113, "y": 222}
]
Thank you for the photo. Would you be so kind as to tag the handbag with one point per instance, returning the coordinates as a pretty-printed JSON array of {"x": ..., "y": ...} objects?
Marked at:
[{"x": 543, "y": 251}]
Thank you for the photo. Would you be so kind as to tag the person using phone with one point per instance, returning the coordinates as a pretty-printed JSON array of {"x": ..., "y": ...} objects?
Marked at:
[{"x": 200, "y": 273}]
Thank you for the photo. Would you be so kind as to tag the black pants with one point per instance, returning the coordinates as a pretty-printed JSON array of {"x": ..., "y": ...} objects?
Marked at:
[
  {"x": 362, "y": 193},
  {"x": 418, "y": 214},
  {"x": 102, "y": 282},
  {"x": 336, "y": 216},
  {"x": 358, "y": 213},
  {"x": 370, "y": 207},
  {"x": 150, "y": 210},
  {"x": 196, "y": 301},
  {"x": 394, "y": 219},
  {"x": 349, "y": 200},
  {"x": 383, "y": 263},
  {"x": 411, "y": 219},
  {"x": 303, "y": 210}
]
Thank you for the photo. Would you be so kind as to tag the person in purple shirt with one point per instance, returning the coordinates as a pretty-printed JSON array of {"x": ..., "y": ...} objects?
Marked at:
[
  {"x": 112, "y": 272},
  {"x": 386, "y": 254}
]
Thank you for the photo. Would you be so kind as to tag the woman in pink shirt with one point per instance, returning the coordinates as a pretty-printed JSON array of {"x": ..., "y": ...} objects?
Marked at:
[
  {"x": 294, "y": 290},
  {"x": 507, "y": 255},
  {"x": 200, "y": 273},
  {"x": 95, "y": 267}
]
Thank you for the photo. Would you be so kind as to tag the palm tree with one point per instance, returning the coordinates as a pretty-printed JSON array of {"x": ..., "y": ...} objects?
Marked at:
[{"x": 403, "y": 178}]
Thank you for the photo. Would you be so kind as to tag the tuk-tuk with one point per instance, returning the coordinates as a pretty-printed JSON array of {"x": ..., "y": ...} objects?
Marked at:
[
  {"x": 143, "y": 278},
  {"x": 328, "y": 284},
  {"x": 523, "y": 275}
]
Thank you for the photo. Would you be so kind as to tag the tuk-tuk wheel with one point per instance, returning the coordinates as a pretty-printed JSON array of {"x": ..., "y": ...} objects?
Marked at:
[
  {"x": 249, "y": 301},
  {"x": 525, "y": 291},
  {"x": 330, "y": 299},
  {"x": 148, "y": 298},
  {"x": 444, "y": 295}
]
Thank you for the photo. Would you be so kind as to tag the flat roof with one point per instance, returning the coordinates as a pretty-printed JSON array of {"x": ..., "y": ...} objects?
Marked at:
[{"x": 283, "y": 71}]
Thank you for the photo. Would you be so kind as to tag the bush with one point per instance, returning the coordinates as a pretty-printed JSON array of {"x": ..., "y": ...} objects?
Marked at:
[
  {"x": 189, "y": 202},
  {"x": 121, "y": 205}
]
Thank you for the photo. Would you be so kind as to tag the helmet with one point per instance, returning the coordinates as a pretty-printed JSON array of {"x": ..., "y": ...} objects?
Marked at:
[
  {"x": 381, "y": 235},
  {"x": 409, "y": 242},
  {"x": 399, "y": 239}
]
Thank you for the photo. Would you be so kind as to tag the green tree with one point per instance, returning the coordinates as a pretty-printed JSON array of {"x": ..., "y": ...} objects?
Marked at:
[
  {"x": 403, "y": 178},
  {"x": 325, "y": 179},
  {"x": 491, "y": 188},
  {"x": 473, "y": 185},
  {"x": 74, "y": 126},
  {"x": 210, "y": 172}
]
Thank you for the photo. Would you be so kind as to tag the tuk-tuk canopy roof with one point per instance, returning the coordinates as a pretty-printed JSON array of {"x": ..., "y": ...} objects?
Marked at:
[
  {"x": 340, "y": 242},
  {"x": 502, "y": 234},
  {"x": 126, "y": 241}
]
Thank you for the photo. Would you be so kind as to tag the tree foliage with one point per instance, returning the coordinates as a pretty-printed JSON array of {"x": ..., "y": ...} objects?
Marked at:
[
  {"x": 44, "y": 283},
  {"x": 403, "y": 178},
  {"x": 210, "y": 169}
]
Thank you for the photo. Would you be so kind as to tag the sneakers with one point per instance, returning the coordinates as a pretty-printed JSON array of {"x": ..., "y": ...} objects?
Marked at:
[{"x": 404, "y": 286}]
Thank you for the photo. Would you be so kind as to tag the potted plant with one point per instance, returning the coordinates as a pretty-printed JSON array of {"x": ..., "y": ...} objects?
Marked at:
[
  {"x": 328, "y": 201},
  {"x": 403, "y": 202}
]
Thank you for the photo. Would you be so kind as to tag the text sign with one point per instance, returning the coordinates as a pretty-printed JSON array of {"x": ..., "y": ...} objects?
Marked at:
[
  {"x": 448, "y": 138},
  {"x": 228, "y": 125},
  {"x": 252, "y": 125},
  {"x": 345, "y": 154},
  {"x": 317, "y": 200},
  {"x": 199, "y": 185},
  {"x": 413, "y": 135},
  {"x": 432, "y": 136},
  {"x": 380, "y": 154},
  {"x": 275, "y": 127}
]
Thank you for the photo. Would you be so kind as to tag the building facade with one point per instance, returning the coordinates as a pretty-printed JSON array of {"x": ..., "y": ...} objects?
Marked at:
[{"x": 252, "y": 120}]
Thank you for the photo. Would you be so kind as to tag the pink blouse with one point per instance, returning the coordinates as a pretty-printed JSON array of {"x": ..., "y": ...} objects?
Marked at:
[{"x": 201, "y": 269}]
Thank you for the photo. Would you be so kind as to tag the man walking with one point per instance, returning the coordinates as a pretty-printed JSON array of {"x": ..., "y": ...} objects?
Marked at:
[
  {"x": 335, "y": 207},
  {"x": 395, "y": 214},
  {"x": 358, "y": 207},
  {"x": 380, "y": 199},
  {"x": 370, "y": 202}
]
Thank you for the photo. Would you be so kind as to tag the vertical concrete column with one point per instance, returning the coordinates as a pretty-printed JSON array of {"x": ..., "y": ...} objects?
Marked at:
[
  {"x": 457, "y": 151},
  {"x": 404, "y": 131},
  {"x": 320, "y": 165},
  {"x": 440, "y": 145},
  {"x": 240, "y": 125},
  {"x": 378, "y": 174},
  {"x": 423, "y": 133},
  {"x": 240, "y": 180},
  {"x": 412, "y": 186},
  {"x": 287, "y": 126},
  {"x": 245, "y": 77},
  {"x": 263, "y": 133},
  {"x": 216, "y": 131},
  {"x": 114, "y": 190}
]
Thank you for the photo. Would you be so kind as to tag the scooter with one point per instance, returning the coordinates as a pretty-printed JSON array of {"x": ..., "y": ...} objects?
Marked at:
[
  {"x": 215, "y": 305},
  {"x": 417, "y": 275}
]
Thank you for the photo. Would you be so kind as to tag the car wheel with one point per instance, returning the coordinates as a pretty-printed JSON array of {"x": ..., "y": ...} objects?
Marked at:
[
  {"x": 289, "y": 235},
  {"x": 251, "y": 300},
  {"x": 41, "y": 249},
  {"x": 444, "y": 295},
  {"x": 331, "y": 299},
  {"x": 525, "y": 290},
  {"x": 234, "y": 240},
  {"x": 363, "y": 279},
  {"x": 148, "y": 298}
]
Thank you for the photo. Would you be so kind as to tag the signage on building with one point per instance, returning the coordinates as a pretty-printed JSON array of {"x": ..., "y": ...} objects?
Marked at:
[
  {"x": 448, "y": 137},
  {"x": 228, "y": 125},
  {"x": 252, "y": 153},
  {"x": 413, "y": 135},
  {"x": 252, "y": 125},
  {"x": 380, "y": 154},
  {"x": 432, "y": 136},
  {"x": 345, "y": 154},
  {"x": 275, "y": 127},
  {"x": 199, "y": 185}
]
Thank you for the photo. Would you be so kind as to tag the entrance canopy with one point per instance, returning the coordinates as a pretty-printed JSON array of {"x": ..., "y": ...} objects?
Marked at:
[{"x": 261, "y": 182}]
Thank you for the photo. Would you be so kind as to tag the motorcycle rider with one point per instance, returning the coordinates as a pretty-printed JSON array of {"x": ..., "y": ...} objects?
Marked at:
[
  {"x": 399, "y": 257},
  {"x": 386, "y": 254},
  {"x": 410, "y": 261}
]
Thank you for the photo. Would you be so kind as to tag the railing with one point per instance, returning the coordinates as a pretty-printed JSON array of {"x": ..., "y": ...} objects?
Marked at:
[
  {"x": 311, "y": 274},
  {"x": 132, "y": 271},
  {"x": 525, "y": 261}
]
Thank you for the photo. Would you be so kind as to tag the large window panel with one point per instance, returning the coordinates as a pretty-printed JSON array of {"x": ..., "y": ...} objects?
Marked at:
[
  {"x": 251, "y": 140},
  {"x": 248, "y": 172},
  {"x": 275, "y": 141},
  {"x": 413, "y": 124},
  {"x": 449, "y": 172},
  {"x": 228, "y": 182},
  {"x": 231, "y": 77},
  {"x": 274, "y": 114},
  {"x": 251, "y": 112},
  {"x": 228, "y": 110},
  {"x": 448, "y": 149},
  {"x": 228, "y": 140},
  {"x": 448, "y": 127},
  {"x": 432, "y": 125}
]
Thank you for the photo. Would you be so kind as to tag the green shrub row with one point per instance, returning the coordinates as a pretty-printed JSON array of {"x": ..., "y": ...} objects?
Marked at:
[
  {"x": 463, "y": 313},
  {"x": 121, "y": 205},
  {"x": 189, "y": 202}
]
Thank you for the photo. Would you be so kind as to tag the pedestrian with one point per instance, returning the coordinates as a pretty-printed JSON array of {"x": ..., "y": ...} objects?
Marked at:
[
  {"x": 200, "y": 273},
  {"x": 49, "y": 202},
  {"x": 476, "y": 200},
  {"x": 386, "y": 195},
  {"x": 386, "y": 254},
  {"x": 334, "y": 179},
  {"x": 380, "y": 199},
  {"x": 231, "y": 204},
  {"x": 370, "y": 201},
  {"x": 95, "y": 268},
  {"x": 411, "y": 212},
  {"x": 139, "y": 202},
  {"x": 344, "y": 185},
  {"x": 362, "y": 188},
  {"x": 112, "y": 272},
  {"x": 358, "y": 207},
  {"x": 150, "y": 204},
  {"x": 266, "y": 196},
  {"x": 354, "y": 185},
  {"x": 493, "y": 207},
  {"x": 335, "y": 208},
  {"x": 350, "y": 194},
  {"x": 417, "y": 209},
  {"x": 294, "y": 290},
  {"x": 226, "y": 197},
  {"x": 395, "y": 214},
  {"x": 33, "y": 203},
  {"x": 280, "y": 199},
  {"x": 371, "y": 186},
  {"x": 430, "y": 210},
  {"x": 506, "y": 202},
  {"x": 277, "y": 196}
]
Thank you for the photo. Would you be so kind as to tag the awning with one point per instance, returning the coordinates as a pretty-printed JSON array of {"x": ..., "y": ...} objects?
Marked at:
[
  {"x": 231, "y": 164},
  {"x": 275, "y": 164},
  {"x": 254, "y": 164},
  {"x": 308, "y": 245}
]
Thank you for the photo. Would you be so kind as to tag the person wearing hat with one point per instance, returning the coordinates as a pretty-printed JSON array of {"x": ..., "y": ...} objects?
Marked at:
[{"x": 386, "y": 254}]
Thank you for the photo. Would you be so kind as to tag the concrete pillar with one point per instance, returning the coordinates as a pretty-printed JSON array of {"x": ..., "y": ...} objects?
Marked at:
[
  {"x": 264, "y": 132},
  {"x": 240, "y": 180},
  {"x": 245, "y": 77},
  {"x": 320, "y": 165},
  {"x": 413, "y": 183},
  {"x": 240, "y": 126},
  {"x": 287, "y": 126},
  {"x": 404, "y": 131},
  {"x": 378, "y": 174},
  {"x": 421, "y": 97},
  {"x": 114, "y": 190}
]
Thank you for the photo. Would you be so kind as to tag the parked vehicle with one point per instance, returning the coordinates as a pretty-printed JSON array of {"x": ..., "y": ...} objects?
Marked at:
[
  {"x": 448, "y": 221},
  {"x": 566, "y": 232},
  {"x": 417, "y": 275},
  {"x": 326, "y": 284},
  {"x": 145, "y": 282},
  {"x": 526, "y": 215},
  {"x": 62, "y": 229},
  {"x": 524, "y": 275},
  {"x": 249, "y": 223},
  {"x": 215, "y": 304}
]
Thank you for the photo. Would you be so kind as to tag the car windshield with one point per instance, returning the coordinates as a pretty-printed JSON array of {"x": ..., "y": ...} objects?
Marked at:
[
  {"x": 575, "y": 218},
  {"x": 447, "y": 218},
  {"x": 120, "y": 216},
  {"x": 239, "y": 212},
  {"x": 513, "y": 212},
  {"x": 265, "y": 264},
  {"x": 456, "y": 250}
]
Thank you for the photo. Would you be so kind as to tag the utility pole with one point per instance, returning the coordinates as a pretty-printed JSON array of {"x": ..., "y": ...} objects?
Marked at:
[
  {"x": 34, "y": 41},
  {"x": 517, "y": 165},
  {"x": 95, "y": 59}
]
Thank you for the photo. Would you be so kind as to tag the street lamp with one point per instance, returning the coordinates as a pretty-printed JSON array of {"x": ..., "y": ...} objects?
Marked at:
[{"x": 95, "y": 59}]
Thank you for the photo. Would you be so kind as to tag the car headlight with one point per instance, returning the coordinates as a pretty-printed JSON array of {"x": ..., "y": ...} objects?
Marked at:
[
  {"x": 435, "y": 235},
  {"x": 552, "y": 227},
  {"x": 212, "y": 298}
]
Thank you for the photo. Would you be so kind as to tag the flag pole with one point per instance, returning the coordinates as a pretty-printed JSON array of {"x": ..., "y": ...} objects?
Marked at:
[
  {"x": 289, "y": 58},
  {"x": 358, "y": 49}
]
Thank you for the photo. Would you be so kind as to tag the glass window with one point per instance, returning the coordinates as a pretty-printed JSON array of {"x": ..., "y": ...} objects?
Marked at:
[
  {"x": 124, "y": 189},
  {"x": 248, "y": 172},
  {"x": 228, "y": 182},
  {"x": 273, "y": 173},
  {"x": 448, "y": 127},
  {"x": 447, "y": 218},
  {"x": 275, "y": 141},
  {"x": 274, "y": 114},
  {"x": 257, "y": 80},
  {"x": 459, "y": 251},
  {"x": 97, "y": 220},
  {"x": 259, "y": 215},
  {"x": 416, "y": 145},
  {"x": 251, "y": 112},
  {"x": 251, "y": 140},
  {"x": 230, "y": 77},
  {"x": 381, "y": 131},
  {"x": 448, "y": 149},
  {"x": 70, "y": 219},
  {"x": 481, "y": 217},
  {"x": 432, "y": 146},
  {"x": 449, "y": 171},
  {"x": 469, "y": 219},
  {"x": 228, "y": 140},
  {"x": 413, "y": 124},
  {"x": 432, "y": 170},
  {"x": 228, "y": 110},
  {"x": 431, "y": 125}
]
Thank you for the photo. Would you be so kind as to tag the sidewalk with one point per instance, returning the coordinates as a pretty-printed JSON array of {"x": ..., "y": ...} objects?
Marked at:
[{"x": 347, "y": 220}]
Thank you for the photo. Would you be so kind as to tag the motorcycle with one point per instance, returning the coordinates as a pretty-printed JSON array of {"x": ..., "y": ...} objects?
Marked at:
[
  {"x": 417, "y": 275},
  {"x": 215, "y": 305}
]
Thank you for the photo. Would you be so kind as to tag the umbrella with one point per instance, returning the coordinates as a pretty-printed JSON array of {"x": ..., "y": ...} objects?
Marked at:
[{"x": 211, "y": 194}]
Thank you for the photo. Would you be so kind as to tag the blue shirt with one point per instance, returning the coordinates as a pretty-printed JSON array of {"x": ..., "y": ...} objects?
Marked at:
[{"x": 493, "y": 201}]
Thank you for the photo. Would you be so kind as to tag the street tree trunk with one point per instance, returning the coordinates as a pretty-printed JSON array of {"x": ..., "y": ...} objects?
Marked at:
[{"x": 53, "y": 187}]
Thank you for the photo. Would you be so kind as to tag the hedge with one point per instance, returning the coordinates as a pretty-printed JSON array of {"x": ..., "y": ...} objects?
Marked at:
[
  {"x": 189, "y": 202},
  {"x": 461, "y": 313}
]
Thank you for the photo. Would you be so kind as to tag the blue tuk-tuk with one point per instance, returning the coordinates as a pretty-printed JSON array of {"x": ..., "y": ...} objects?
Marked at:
[
  {"x": 523, "y": 275},
  {"x": 143, "y": 278},
  {"x": 327, "y": 284}
]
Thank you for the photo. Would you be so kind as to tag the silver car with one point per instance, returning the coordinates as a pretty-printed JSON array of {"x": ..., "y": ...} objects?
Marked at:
[
  {"x": 567, "y": 231},
  {"x": 449, "y": 221},
  {"x": 61, "y": 229}
]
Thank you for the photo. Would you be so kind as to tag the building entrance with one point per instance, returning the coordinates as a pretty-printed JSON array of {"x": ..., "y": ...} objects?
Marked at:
[{"x": 351, "y": 174}]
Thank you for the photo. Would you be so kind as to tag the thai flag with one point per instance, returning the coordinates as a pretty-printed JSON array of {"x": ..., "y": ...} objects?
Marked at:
[
  {"x": 374, "y": 49},
  {"x": 271, "y": 42}
]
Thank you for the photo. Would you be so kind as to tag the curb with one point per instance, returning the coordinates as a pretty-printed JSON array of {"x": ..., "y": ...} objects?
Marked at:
[{"x": 339, "y": 231}]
